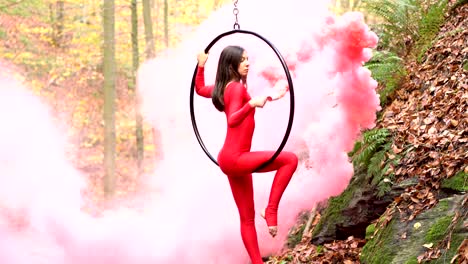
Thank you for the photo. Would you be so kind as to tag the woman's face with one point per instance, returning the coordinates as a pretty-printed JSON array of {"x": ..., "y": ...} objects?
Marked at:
[{"x": 244, "y": 65}]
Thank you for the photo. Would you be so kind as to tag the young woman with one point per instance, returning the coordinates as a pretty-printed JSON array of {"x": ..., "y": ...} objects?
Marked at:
[{"x": 229, "y": 94}]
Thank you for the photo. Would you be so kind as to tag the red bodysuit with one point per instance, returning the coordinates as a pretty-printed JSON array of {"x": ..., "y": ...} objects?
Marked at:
[{"x": 237, "y": 161}]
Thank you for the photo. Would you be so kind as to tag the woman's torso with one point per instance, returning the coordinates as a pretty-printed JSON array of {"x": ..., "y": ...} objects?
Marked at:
[{"x": 239, "y": 138}]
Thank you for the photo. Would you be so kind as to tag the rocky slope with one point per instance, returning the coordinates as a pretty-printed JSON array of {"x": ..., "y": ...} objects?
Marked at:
[{"x": 424, "y": 216}]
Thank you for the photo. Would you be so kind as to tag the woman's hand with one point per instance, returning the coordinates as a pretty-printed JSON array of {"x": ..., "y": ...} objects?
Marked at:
[
  {"x": 258, "y": 101},
  {"x": 202, "y": 58},
  {"x": 280, "y": 89}
]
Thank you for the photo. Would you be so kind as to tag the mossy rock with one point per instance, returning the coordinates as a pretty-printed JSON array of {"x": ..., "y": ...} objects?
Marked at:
[
  {"x": 350, "y": 213},
  {"x": 326, "y": 228},
  {"x": 458, "y": 236},
  {"x": 457, "y": 183},
  {"x": 402, "y": 242},
  {"x": 381, "y": 249}
]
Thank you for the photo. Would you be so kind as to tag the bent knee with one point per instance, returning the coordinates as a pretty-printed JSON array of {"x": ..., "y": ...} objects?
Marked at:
[{"x": 291, "y": 158}]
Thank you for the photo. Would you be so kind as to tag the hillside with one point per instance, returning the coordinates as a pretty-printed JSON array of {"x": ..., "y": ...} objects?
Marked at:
[{"x": 427, "y": 117}]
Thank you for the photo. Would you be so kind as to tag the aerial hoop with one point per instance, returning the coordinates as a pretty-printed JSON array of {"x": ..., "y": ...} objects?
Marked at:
[{"x": 291, "y": 91}]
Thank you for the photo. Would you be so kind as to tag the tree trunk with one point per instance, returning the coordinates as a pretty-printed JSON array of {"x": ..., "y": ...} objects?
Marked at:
[
  {"x": 149, "y": 47},
  {"x": 109, "y": 97},
  {"x": 60, "y": 22},
  {"x": 57, "y": 21},
  {"x": 345, "y": 4},
  {"x": 166, "y": 23},
  {"x": 138, "y": 117},
  {"x": 148, "y": 22},
  {"x": 356, "y": 4}
]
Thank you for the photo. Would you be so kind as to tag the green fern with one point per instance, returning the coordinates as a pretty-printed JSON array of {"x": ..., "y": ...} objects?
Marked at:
[
  {"x": 397, "y": 22},
  {"x": 406, "y": 26},
  {"x": 383, "y": 187},
  {"x": 378, "y": 168},
  {"x": 387, "y": 69},
  {"x": 372, "y": 142},
  {"x": 370, "y": 155},
  {"x": 376, "y": 164},
  {"x": 429, "y": 26}
]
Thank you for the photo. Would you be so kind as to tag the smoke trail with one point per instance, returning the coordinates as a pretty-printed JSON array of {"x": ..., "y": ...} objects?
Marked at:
[
  {"x": 38, "y": 184},
  {"x": 192, "y": 217}
]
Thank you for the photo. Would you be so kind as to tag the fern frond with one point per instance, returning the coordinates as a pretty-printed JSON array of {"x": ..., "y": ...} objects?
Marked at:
[
  {"x": 398, "y": 21},
  {"x": 387, "y": 69},
  {"x": 375, "y": 166},
  {"x": 372, "y": 142},
  {"x": 383, "y": 188},
  {"x": 429, "y": 26},
  {"x": 364, "y": 157},
  {"x": 356, "y": 148},
  {"x": 373, "y": 135}
]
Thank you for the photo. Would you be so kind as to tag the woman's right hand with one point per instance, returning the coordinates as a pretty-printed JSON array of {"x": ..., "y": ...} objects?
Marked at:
[
  {"x": 202, "y": 58},
  {"x": 258, "y": 101}
]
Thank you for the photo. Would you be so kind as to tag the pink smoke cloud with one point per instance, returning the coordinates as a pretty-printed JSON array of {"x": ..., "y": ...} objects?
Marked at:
[{"x": 190, "y": 216}]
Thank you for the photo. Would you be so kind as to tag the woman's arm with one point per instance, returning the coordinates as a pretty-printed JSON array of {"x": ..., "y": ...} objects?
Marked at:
[
  {"x": 236, "y": 110},
  {"x": 200, "y": 86}
]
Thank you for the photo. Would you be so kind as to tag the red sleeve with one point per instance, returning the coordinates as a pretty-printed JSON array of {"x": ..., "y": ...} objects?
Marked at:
[
  {"x": 200, "y": 87},
  {"x": 235, "y": 108}
]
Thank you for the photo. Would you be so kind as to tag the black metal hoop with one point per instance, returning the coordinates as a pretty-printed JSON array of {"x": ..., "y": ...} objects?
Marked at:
[{"x": 291, "y": 91}]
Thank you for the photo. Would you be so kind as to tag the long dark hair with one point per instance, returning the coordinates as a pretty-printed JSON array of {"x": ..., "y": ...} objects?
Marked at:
[{"x": 228, "y": 66}]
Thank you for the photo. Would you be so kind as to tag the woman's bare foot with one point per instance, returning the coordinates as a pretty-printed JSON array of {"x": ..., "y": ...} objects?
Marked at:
[{"x": 273, "y": 230}]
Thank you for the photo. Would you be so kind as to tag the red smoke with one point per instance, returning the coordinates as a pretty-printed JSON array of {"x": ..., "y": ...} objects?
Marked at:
[{"x": 191, "y": 217}]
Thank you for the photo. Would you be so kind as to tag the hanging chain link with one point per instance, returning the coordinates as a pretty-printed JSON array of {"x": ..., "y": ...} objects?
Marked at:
[{"x": 235, "y": 11}]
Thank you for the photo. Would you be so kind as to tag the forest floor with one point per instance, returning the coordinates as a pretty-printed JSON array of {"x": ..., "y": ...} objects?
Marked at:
[{"x": 428, "y": 111}]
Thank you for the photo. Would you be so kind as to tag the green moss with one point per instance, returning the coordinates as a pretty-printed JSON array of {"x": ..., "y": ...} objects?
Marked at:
[
  {"x": 438, "y": 229},
  {"x": 336, "y": 205},
  {"x": 296, "y": 237},
  {"x": 379, "y": 249},
  {"x": 455, "y": 243},
  {"x": 458, "y": 182},
  {"x": 413, "y": 260},
  {"x": 370, "y": 231},
  {"x": 443, "y": 205}
]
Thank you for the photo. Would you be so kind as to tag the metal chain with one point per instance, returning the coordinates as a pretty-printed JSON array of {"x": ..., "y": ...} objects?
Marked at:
[{"x": 235, "y": 11}]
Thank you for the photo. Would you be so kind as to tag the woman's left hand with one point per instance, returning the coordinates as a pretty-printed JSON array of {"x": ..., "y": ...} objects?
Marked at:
[{"x": 202, "y": 58}]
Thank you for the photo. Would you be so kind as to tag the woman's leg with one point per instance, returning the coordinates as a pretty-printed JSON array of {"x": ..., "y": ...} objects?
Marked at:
[
  {"x": 285, "y": 165},
  {"x": 242, "y": 190}
]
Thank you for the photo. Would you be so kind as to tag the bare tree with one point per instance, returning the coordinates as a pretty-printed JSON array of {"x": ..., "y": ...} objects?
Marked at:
[
  {"x": 166, "y": 23},
  {"x": 148, "y": 22},
  {"x": 136, "y": 61},
  {"x": 57, "y": 16},
  {"x": 109, "y": 96},
  {"x": 150, "y": 46}
]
